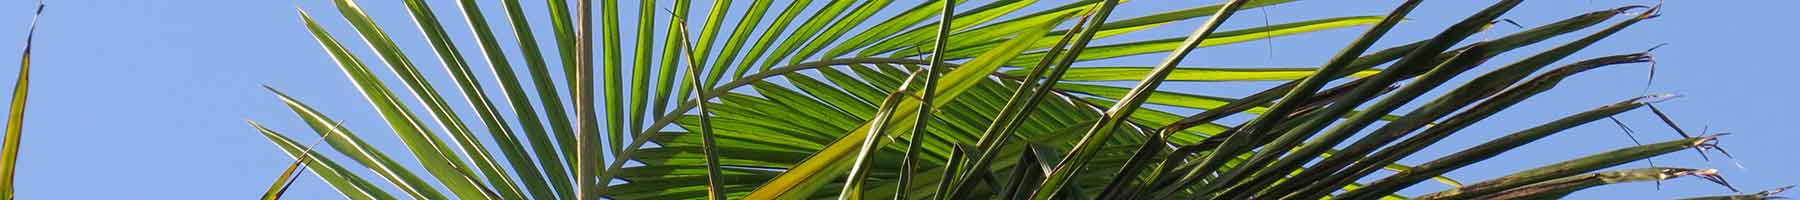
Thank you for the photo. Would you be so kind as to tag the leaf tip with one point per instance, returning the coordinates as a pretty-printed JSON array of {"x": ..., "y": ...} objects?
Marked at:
[{"x": 1655, "y": 98}]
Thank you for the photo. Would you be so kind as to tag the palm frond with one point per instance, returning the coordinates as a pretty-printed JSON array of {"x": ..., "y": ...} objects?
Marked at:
[{"x": 794, "y": 99}]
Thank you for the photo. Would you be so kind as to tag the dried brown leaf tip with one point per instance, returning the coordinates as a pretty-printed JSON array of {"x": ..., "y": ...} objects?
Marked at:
[
  {"x": 1708, "y": 174},
  {"x": 1765, "y": 194},
  {"x": 1651, "y": 11},
  {"x": 1711, "y": 142},
  {"x": 1770, "y": 194}
]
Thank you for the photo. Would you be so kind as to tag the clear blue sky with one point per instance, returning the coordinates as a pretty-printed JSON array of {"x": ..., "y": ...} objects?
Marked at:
[{"x": 147, "y": 99}]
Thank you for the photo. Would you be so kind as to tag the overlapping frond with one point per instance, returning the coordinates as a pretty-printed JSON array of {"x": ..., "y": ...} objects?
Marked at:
[{"x": 833, "y": 99}]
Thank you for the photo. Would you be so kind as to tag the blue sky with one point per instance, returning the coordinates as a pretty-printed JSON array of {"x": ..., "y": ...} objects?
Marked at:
[{"x": 147, "y": 99}]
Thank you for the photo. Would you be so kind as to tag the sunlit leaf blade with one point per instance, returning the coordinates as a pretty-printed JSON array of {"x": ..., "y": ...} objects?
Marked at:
[
  {"x": 809, "y": 30},
  {"x": 836, "y": 96},
  {"x": 344, "y": 180},
  {"x": 424, "y": 17},
  {"x": 817, "y": 167},
  {"x": 739, "y": 35},
  {"x": 1164, "y": 98},
  {"x": 1156, "y": 118},
  {"x": 714, "y": 190},
  {"x": 642, "y": 138},
  {"x": 709, "y": 32},
  {"x": 922, "y": 35},
  {"x": 812, "y": 114},
  {"x": 425, "y": 146},
  {"x": 853, "y": 184},
  {"x": 1139, "y": 47},
  {"x": 666, "y": 73},
  {"x": 640, "y": 68},
  {"x": 612, "y": 72},
  {"x": 1135, "y": 24},
  {"x": 15, "y": 116},
  {"x": 842, "y": 26},
  {"x": 732, "y": 125},
  {"x": 921, "y": 124},
  {"x": 893, "y": 25},
  {"x": 554, "y": 167},
  {"x": 490, "y": 115},
  {"x": 563, "y": 26},
  {"x": 768, "y": 38},
  {"x": 285, "y": 180},
  {"x": 353, "y": 146},
  {"x": 546, "y": 86}
]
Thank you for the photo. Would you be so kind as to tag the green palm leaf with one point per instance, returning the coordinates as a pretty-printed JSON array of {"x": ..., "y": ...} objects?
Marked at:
[
  {"x": 816, "y": 95},
  {"x": 353, "y": 146},
  {"x": 345, "y": 181},
  {"x": 15, "y": 117},
  {"x": 424, "y": 145}
]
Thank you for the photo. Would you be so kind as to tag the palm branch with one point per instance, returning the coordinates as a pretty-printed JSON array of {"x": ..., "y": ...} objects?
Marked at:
[{"x": 942, "y": 101}]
